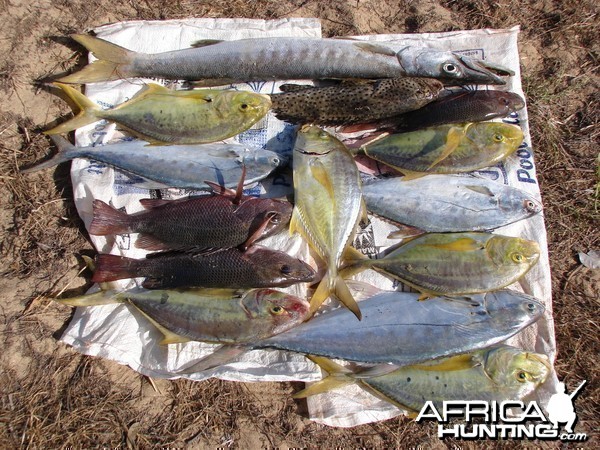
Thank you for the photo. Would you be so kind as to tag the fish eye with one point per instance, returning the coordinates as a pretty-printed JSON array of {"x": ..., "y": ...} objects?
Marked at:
[
  {"x": 522, "y": 376},
  {"x": 277, "y": 310},
  {"x": 285, "y": 269},
  {"x": 274, "y": 217},
  {"x": 529, "y": 205},
  {"x": 276, "y": 161},
  {"x": 323, "y": 135},
  {"x": 498, "y": 138},
  {"x": 450, "y": 68},
  {"x": 531, "y": 306},
  {"x": 244, "y": 106},
  {"x": 517, "y": 257}
]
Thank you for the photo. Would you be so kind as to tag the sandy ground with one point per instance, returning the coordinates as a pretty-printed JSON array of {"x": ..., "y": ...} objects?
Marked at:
[{"x": 53, "y": 397}]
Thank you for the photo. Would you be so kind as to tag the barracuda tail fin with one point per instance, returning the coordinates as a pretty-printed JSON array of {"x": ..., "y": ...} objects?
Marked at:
[
  {"x": 338, "y": 377},
  {"x": 113, "y": 62},
  {"x": 66, "y": 152},
  {"x": 88, "y": 114}
]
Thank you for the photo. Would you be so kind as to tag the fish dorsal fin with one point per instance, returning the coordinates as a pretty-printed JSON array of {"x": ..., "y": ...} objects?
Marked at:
[
  {"x": 465, "y": 244},
  {"x": 375, "y": 48},
  {"x": 459, "y": 362},
  {"x": 205, "y": 42},
  {"x": 151, "y": 203},
  {"x": 149, "y": 89}
]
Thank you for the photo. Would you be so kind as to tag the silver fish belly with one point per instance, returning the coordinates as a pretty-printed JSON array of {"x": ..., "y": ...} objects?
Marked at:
[
  {"x": 448, "y": 203},
  {"x": 398, "y": 329}
]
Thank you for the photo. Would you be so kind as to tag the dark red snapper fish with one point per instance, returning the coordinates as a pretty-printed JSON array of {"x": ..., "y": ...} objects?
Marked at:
[
  {"x": 230, "y": 268},
  {"x": 457, "y": 107},
  {"x": 201, "y": 223},
  {"x": 209, "y": 315},
  {"x": 351, "y": 102}
]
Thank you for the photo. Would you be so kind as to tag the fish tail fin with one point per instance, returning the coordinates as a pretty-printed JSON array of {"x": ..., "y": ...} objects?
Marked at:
[
  {"x": 88, "y": 114},
  {"x": 333, "y": 284},
  {"x": 66, "y": 152},
  {"x": 114, "y": 267},
  {"x": 343, "y": 294},
  {"x": 354, "y": 263},
  {"x": 114, "y": 62},
  {"x": 338, "y": 377},
  {"x": 108, "y": 220},
  {"x": 95, "y": 299}
]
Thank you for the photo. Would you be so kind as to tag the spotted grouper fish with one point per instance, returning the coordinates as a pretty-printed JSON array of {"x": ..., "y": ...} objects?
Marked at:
[{"x": 353, "y": 102}]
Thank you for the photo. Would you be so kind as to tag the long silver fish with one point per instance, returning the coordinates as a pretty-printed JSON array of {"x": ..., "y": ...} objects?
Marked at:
[
  {"x": 179, "y": 166},
  {"x": 398, "y": 329},
  {"x": 494, "y": 374},
  {"x": 284, "y": 58},
  {"x": 449, "y": 203}
]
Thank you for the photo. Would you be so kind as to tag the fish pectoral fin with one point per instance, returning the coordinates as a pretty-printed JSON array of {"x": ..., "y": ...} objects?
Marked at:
[
  {"x": 168, "y": 336},
  {"x": 453, "y": 139},
  {"x": 320, "y": 174},
  {"x": 205, "y": 42},
  {"x": 375, "y": 48},
  {"x": 222, "y": 355},
  {"x": 459, "y": 362},
  {"x": 405, "y": 231},
  {"x": 480, "y": 190}
]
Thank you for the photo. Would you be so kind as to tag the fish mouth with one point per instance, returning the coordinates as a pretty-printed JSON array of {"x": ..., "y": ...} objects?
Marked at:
[{"x": 484, "y": 71}]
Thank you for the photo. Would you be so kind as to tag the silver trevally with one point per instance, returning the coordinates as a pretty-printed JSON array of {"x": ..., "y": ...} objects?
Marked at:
[
  {"x": 283, "y": 58},
  {"x": 178, "y": 166},
  {"x": 396, "y": 328},
  {"x": 449, "y": 203}
]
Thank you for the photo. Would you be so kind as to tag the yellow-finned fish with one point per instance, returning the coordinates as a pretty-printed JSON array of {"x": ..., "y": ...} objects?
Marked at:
[
  {"x": 328, "y": 206},
  {"x": 454, "y": 264},
  {"x": 163, "y": 116},
  {"x": 452, "y": 148},
  {"x": 497, "y": 373}
]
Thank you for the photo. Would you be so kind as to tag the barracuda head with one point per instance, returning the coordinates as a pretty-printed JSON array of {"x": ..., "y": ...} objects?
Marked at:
[
  {"x": 520, "y": 371},
  {"x": 451, "y": 67}
]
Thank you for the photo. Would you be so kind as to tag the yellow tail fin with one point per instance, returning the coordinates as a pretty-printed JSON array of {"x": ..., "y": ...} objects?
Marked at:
[
  {"x": 338, "y": 377},
  {"x": 87, "y": 115},
  {"x": 113, "y": 62}
]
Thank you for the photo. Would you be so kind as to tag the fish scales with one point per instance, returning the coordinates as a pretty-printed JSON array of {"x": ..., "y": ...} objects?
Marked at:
[
  {"x": 449, "y": 203},
  {"x": 396, "y": 328},
  {"x": 359, "y": 102}
]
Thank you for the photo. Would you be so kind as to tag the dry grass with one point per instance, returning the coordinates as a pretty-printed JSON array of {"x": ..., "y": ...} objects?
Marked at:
[{"x": 54, "y": 398}]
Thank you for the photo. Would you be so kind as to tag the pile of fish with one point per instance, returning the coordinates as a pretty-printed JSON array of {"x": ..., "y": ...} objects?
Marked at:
[{"x": 206, "y": 278}]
